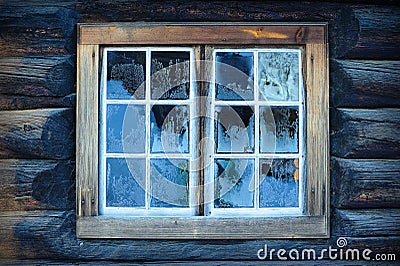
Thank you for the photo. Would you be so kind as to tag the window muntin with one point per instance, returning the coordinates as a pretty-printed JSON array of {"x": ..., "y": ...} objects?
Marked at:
[
  {"x": 145, "y": 131},
  {"x": 148, "y": 99},
  {"x": 258, "y": 107}
]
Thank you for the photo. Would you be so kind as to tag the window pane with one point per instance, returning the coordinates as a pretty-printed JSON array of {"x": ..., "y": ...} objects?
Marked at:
[
  {"x": 234, "y": 129},
  {"x": 126, "y": 74},
  {"x": 170, "y": 75},
  {"x": 122, "y": 188},
  {"x": 279, "y": 184},
  {"x": 169, "y": 180},
  {"x": 286, "y": 129},
  {"x": 234, "y": 76},
  {"x": 234, "y": 187},
  {"x": 125, "y": 128},
  {"x": 278, "y": 76},
  {"x": 169, "y": 129}
]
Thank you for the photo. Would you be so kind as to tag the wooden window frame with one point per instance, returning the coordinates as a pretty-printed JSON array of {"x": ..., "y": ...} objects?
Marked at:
[{"x": 311, "y": 36}]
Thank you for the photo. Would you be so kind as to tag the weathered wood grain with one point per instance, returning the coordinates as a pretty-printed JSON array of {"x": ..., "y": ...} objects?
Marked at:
[
  {"x": 379, "y": 33},
  {"x": 363, "y": 223},
  {"x": 365, "y": 183},
  {"x": 51, "y": 76},
  {"x": 16, "y": 102},
  {"x": 365, "y": 133},
  {"x": 36, "y": 184},
  {"x": 343, "y": 28},
  {"x": 200, "y": 33},
  {"x": 37, "y": 27},
  {"x": 44, "y": 133},
  {"x": 51, "y": 235},
  {"x": 368, "y": 84}
]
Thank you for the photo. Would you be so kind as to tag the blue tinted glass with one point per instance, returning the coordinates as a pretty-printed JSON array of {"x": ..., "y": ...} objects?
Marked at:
[
  {"x": 125, "y": 128},
  {"x": 234, "y": 129},
  {"x": 126, "y": 74},
  {"x": 234, "y": 76},
  {"x": 169, "y": 180},
  {"x": 278, "y": 76},
  {"x": 234, "y": 187},
  {"x": 170, "y": 75},
  {"x": 169, "y": 129},
  {"x": 122, "y": 189},
  {"x": 279, "y": 185}
]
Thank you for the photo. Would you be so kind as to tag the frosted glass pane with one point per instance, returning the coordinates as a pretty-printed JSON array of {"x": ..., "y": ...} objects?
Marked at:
[
  {"x": 234, "y": 187},
  {"x": 278, "y": 76},
  {"x": 234, "y": 76},
  {"x": 125, "y": 128},
  {"x": 234, "y": 129},
  {"x": 169, "y": 181},
  {"x": 169, "y": 129},
  {"x": 170, "y": 75},
  {"x": 279, "y": 184},
  {"x": 126, "y": 74},
  {"x": 286, "y": 129},
  {"x": 122, "y": 190}
]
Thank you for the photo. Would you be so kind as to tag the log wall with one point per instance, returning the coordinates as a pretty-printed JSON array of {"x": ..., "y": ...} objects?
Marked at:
[{"x": 37, "y": 123}]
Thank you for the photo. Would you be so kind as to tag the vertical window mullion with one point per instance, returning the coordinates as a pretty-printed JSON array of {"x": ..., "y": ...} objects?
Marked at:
[
  {"x": 256, "y": 135},
  {"x": 148, "y": 109}
]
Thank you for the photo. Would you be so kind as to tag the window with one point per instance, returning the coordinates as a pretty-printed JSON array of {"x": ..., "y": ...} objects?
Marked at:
[{"x": 202, "y": 131}]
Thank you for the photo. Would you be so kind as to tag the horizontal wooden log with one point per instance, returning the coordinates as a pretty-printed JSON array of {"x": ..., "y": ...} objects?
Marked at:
[
  {"x": 13, "y": 102},
  {"x": 365, "y": 133},
  {"x": 51, "y": 235},
  {"x": 17, "y": 262},
  {"x": 35, "y": 76},
  {"x": 367, "y": 84},
  {"x": 364, "y": 223},
  {"x": 365, "y": 183},
  {"x": 343, "y": 27},
  {"x": 44, "y": 133},
  {"x": 37, "y": 27},
  {"x": 37, "y": 184},
  {"x": 379, "y": 33}
]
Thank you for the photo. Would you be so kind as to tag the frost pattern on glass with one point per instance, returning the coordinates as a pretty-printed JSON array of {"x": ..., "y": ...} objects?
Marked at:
[
  {"x": 122, "y": 190},
  {"x": 133, "y": 133},
  {"x": 287, "y": 129},
  {"x": 169, "y": 129},
  {"x": 278, "y": 76},
  {"x": 234, "y": 187},
  {"x": 170, "y": 75},
  {"x": 165, "y": 175},
  {"x": 234, "y": 129},
  {"x": 126, "y": 74},
  {"x": 234, "y": 76},
  {"x": 280, "y": 185}
]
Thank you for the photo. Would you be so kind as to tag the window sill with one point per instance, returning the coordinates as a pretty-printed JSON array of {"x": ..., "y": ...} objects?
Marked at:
[{"x": 202, "y": 227}]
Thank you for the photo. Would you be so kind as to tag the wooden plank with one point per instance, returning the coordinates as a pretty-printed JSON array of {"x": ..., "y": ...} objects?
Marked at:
[
  {"x": 51, "y": 235},
  {"x": 362, "y": 223},
  {"x": 44, "y": 133},
  {"x": 87, "y": 118},
  {"x": 317, "y": 128},
  {"x": 35, "y": 76},
  {"x": 368, "y": 84},
  {"x": 30, "y": 27},
  {"x": 379, "y": 33},
  {"x": 36, "y": 184},
  {"x": 201, "y": 33},
  {"x": 365, "y": 133},
  {"x": 201, "y": 227},
  {"x": 365, "y": 183}
]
